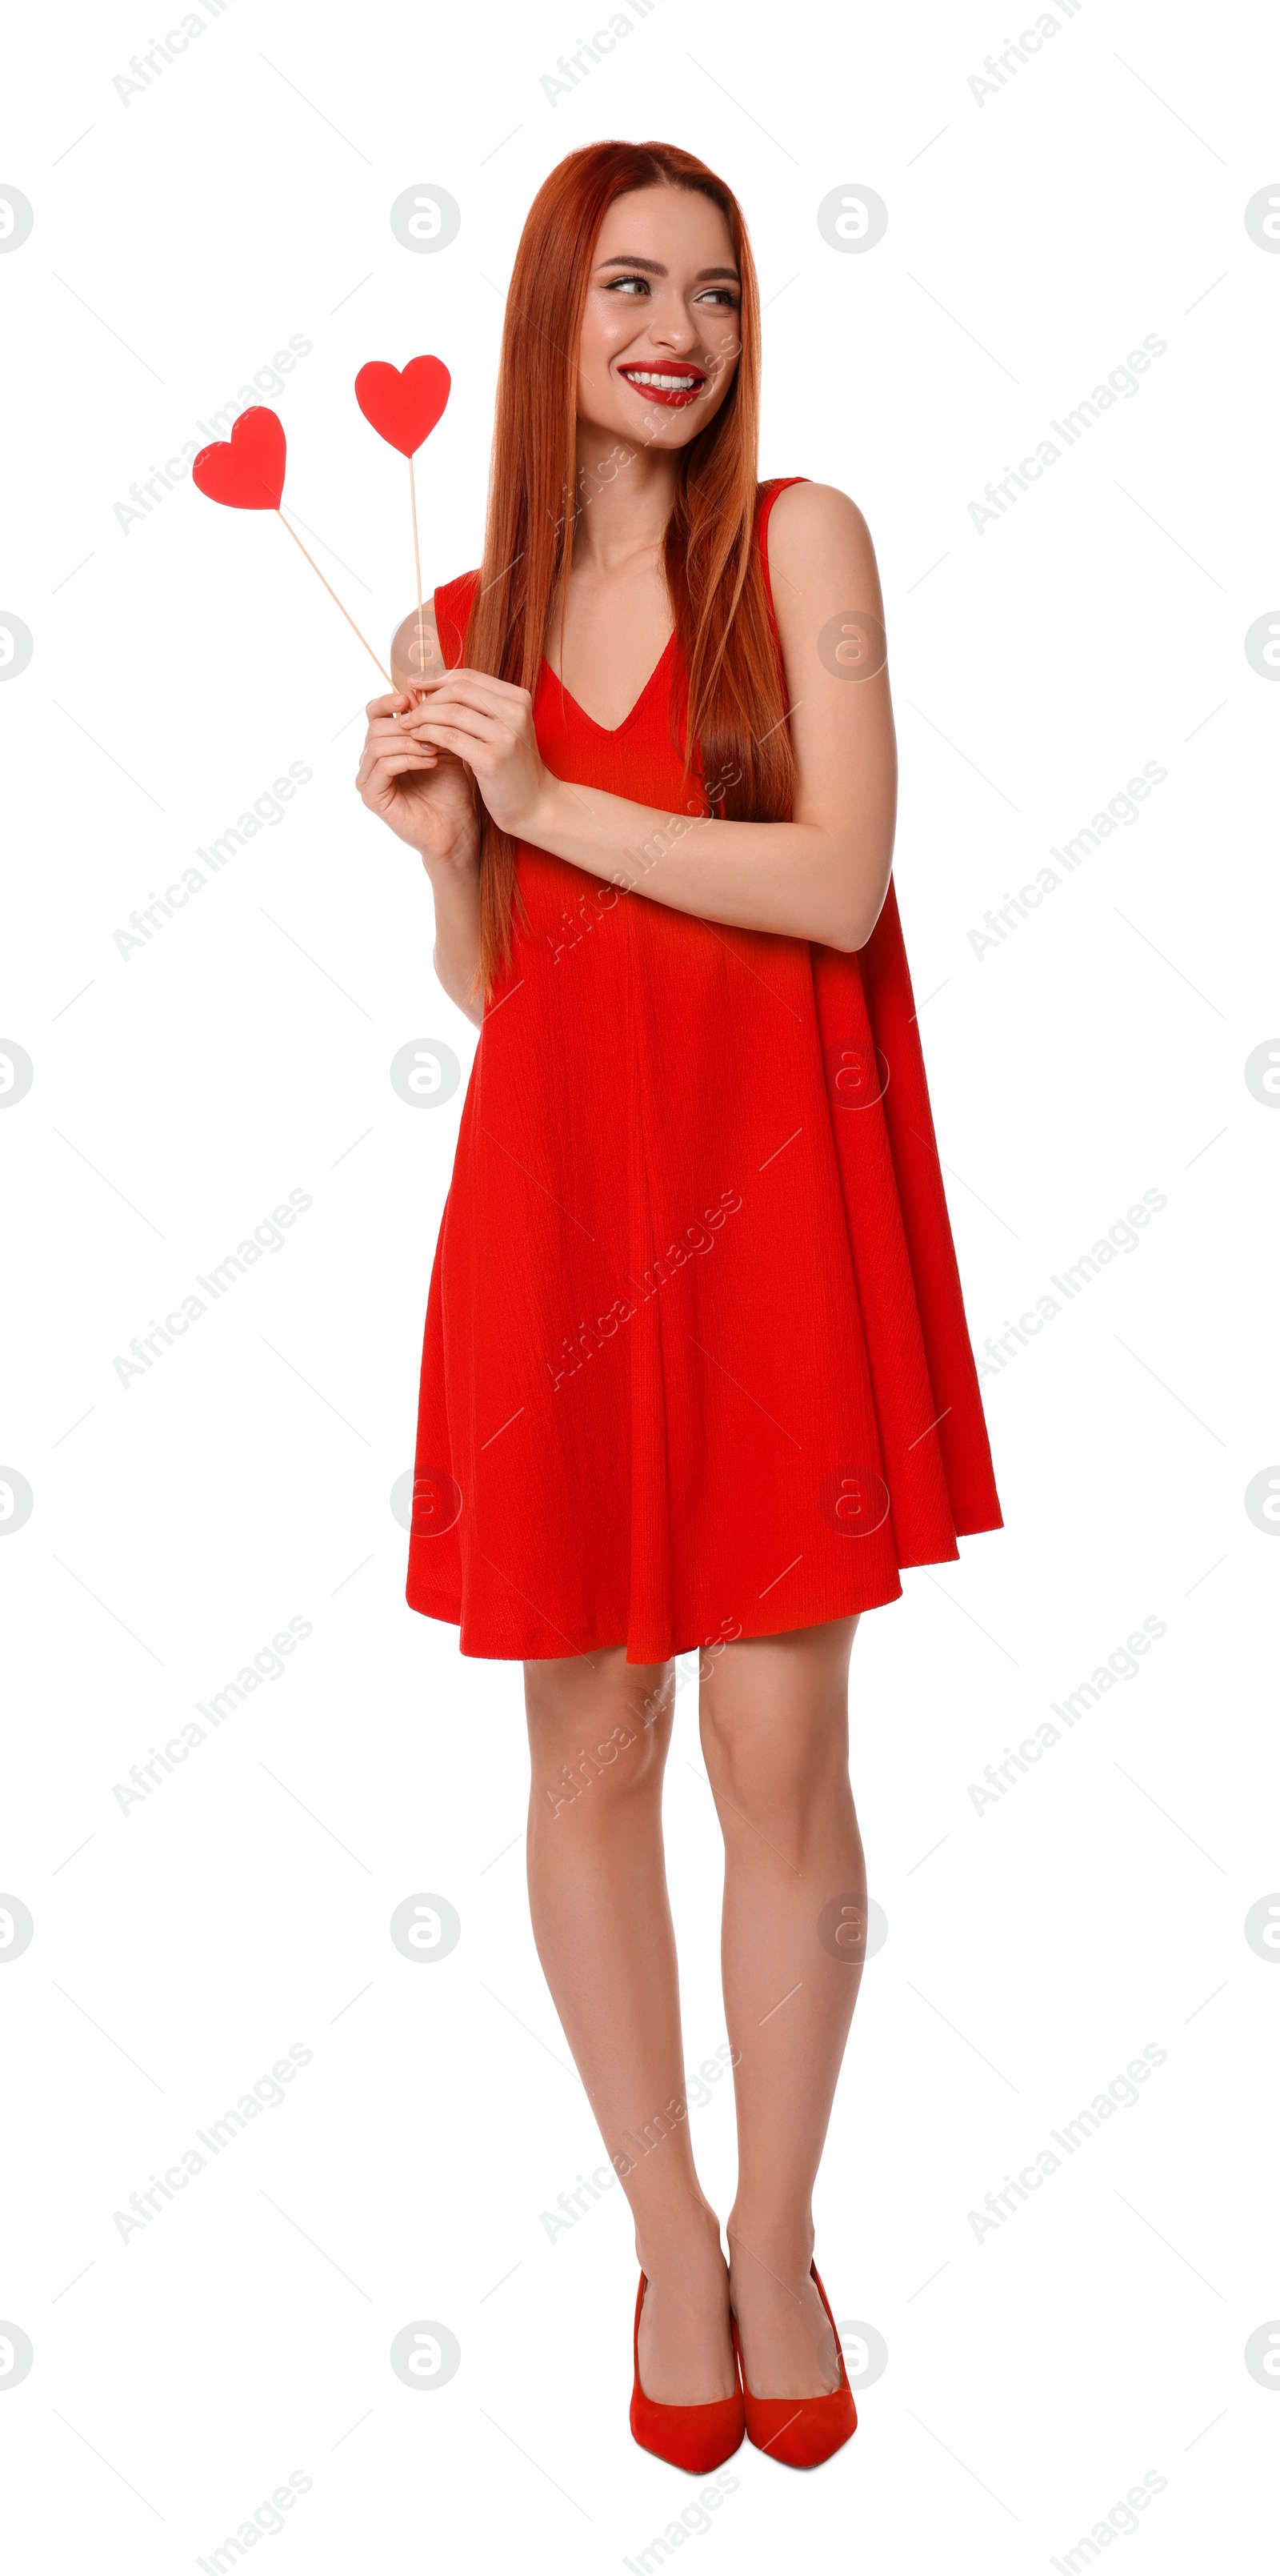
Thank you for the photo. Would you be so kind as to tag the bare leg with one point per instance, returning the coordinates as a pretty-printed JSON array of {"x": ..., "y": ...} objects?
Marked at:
[
  {"x": 775, "y": 1736},
  {"x": 602, "y": 1924}
]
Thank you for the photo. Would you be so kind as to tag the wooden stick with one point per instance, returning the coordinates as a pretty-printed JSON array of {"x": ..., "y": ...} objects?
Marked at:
[
  {"x": 417, "y": 571},
  {"x": 381, "y": 666}
]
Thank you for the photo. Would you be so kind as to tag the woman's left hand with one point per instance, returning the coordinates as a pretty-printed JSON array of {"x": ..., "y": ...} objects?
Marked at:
[{"x": 488, "y": 724}]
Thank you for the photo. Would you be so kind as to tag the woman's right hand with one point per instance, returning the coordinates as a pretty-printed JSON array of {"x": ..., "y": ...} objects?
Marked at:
[{"x": 425, "y": 795}]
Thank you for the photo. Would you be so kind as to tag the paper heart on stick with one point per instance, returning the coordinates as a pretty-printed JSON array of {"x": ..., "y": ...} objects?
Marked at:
[
  {"x": 246, "y": 471},
  {"x": 403, "y": 405}
]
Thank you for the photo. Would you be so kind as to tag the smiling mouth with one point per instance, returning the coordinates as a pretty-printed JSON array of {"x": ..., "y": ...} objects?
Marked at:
[{"x": 676, "y": 386}]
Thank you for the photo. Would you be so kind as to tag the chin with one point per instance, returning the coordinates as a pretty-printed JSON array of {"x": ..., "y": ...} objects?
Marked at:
[{"x": 657, "y": 427}]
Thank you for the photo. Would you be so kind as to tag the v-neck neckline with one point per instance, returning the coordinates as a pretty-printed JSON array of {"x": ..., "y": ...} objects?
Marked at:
[{"x": 611, "y": 732}]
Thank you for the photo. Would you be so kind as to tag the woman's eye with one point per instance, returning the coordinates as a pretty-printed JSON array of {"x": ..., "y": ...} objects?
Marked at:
[{"x": 619, "y": 282}]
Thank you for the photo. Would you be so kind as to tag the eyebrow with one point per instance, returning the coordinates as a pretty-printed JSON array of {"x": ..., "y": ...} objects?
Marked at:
[{"x": 654, "y": 268}]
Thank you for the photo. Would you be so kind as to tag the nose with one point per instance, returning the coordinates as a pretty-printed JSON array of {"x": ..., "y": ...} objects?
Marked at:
[{"x": 671, "y": 326}]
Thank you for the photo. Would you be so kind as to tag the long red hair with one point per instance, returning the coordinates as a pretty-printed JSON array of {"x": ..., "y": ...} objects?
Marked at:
[{"x": 733, "y": 728}]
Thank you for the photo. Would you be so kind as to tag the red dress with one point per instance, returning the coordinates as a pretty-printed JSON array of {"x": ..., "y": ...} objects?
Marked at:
[{"x": 696, "y": 1362}]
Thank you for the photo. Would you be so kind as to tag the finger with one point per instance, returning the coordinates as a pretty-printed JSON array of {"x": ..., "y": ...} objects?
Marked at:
[
  {"x": 489, "y": 719},
  {"x": 372, "y": 772},
  {"x": 390, "y": 747},
  {"x": 386, "y": 706},
  {"x": 463, "y": 671},
  {"x": 385, "y": 743},
  {"x": 480, "y": 689},
  {"x": 387, "y": 729},
  {"x": 491, "y": 731},
  {"x": 392, "y": 744},
  {"x": 469, "y": 748},
  {"x": 475, "y": 749},
  {"x": 476, "y": 688},
  {"x": 401, "y": 755}
]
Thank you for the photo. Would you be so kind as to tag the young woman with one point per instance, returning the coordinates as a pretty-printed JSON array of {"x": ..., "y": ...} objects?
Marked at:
[{"x": 696, "y": 1372}]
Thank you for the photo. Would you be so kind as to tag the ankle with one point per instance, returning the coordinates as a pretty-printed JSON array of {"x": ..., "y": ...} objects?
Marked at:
[
  {"x": 776, "y": 2243},
  {"x": 669, "y": 2240}
]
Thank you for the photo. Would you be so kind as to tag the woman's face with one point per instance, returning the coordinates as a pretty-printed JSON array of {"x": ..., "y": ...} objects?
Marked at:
[{"x": 660, "y": 331}]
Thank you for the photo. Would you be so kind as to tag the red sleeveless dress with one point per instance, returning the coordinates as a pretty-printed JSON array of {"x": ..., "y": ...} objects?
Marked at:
[{"x": 696, "y": 1363}]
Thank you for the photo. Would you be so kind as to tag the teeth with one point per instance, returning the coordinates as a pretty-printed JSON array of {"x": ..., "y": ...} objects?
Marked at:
[{"x": 665, "y": 384}]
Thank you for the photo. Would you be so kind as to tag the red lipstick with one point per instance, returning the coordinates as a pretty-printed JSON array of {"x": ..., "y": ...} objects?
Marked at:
[{"x": 674, "y": 384}]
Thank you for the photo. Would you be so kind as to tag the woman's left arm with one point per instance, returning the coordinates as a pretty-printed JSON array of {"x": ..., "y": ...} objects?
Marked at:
[{"x": 822, "y": 876}]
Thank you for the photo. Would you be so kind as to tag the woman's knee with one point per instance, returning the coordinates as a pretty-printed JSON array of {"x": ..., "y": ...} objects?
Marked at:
[
  {"x": 602, "y": 1730},
  {"x": 776, "y": 1735},
  {"x": 782, "y": 1767}
]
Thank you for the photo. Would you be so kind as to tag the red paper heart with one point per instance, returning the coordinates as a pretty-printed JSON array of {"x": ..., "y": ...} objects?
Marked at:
[
  {"x": 245, "y": 471},
  {"x": 403, "y": 407}
]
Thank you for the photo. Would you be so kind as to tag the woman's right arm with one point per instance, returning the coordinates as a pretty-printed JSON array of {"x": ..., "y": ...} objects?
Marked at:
[
  {"x": 426, "y": 797},
  {"x": 456, "y": 955}
]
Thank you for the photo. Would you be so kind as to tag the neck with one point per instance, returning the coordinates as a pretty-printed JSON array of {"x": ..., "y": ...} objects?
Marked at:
[{"x": 623, "y": 506}]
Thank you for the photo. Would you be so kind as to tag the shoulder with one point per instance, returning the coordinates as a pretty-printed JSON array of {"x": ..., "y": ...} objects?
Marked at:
[
  {"x": 452, "y": 605},
  {"x": 814, "y": 529},
  {"x": 429, "y": 640},
  {"x": 821, "y": 565}
]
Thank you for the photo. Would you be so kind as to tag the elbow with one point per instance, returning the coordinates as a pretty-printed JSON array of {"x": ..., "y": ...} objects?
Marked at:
[
  {"x": 850, "y": 938},
  {"x": 858, "y": 914},
  {"x": 464, "y": 996},
  {"x": 852, "y": 930}
]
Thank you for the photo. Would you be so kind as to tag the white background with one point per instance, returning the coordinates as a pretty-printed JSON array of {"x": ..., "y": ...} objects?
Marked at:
[{"x": 1034, "y": 1947}]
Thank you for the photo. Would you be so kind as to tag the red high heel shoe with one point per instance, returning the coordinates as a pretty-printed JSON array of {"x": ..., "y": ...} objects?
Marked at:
[
  {"x": 696, "y": 2438},
  {"x": 800, "y": 2431}
]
